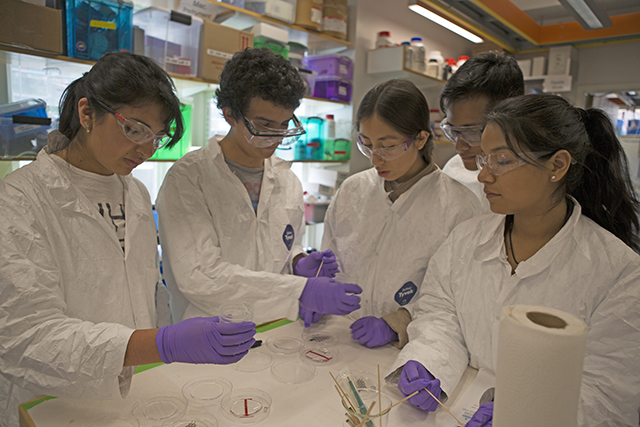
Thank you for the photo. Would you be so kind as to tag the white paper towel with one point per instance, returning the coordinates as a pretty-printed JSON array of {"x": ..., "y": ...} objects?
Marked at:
[{"x": 539, "y": 367}]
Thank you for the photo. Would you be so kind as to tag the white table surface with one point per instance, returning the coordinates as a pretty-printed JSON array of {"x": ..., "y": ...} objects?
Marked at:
[{"x": 315, "y": 403}]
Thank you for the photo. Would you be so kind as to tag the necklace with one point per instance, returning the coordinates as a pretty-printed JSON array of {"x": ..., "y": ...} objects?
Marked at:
[{"x": 513, "y": 256}]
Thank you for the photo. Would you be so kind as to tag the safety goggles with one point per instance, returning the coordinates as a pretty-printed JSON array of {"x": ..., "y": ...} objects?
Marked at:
[
  {"x": 470, "y": 135},
  {"x": 136, "y": 132},
  {"x": 263, "y": 136},
  {"x": 384, "y": 153},
  {"x": 501, "y": 163}
]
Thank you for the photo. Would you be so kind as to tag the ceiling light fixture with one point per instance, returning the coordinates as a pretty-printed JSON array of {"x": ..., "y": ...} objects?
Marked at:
[
  {"x": 443, "y": 22},
  {"x": 587, "y": 13}
]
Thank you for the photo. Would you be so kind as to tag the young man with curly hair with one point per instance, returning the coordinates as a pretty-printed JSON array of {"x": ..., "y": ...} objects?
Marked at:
[{"x": 231, "y": 215}]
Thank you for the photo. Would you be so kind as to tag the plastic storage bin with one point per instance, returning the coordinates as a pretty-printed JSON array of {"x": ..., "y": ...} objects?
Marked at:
[
  {"x": 23, "y": 128},
  {"x": 274, "y": 46},
  {"x": 183, "y": 146},
  {"x": 333, "y": 88},
  {"x": 309, "y": 78},
  {"x": 171, "y": 38},
  {"x": 98, "y": 27},
  {"x": 237, "y": 3},
  {"x": 284, "y": 10},
  {"x": 339, "y": 150},
  {"x": 310, "y": 146},
  {"x": 331, "y": 65},
  {"x": 297, "y": 52}
]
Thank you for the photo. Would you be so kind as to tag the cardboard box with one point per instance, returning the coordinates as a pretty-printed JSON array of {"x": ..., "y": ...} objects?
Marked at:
[
  {"x": 217, "y": 45},
  {"x": 525, "y": 66},
  {"x": 28, "y": 25},
  {"x": 537, "y": 67}
]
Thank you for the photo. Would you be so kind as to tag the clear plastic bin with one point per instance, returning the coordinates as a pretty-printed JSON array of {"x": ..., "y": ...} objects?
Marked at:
[
  {"x": 333, "y": 88},
  {"x": 338, "y": 149},
  {"x": 297, "y": 52},
  {"x": 171, "y": 38},
  {"x": 331, "y": 65},
  {"x": 98, "y": 27},
  {"x": 23, "y": 128},
  {"x": 274, "y": 46},
  {"x": 284, "y": 10}
]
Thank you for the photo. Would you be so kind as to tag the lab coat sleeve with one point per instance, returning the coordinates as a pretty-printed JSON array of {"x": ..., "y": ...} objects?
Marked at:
[
  {"x": 192, "y": 255},
  {"x": 41, "y": 348},
  {"x": 435, "y": 336},
  {"x": 610, "y": 391}
]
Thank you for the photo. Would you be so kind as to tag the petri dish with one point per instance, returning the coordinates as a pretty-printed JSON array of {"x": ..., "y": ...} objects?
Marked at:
[
  {"x": 156, "y": 410},
  {"x": 364, "y": 380},
  {"x": 246, "y": 406},
  {"x": 284, "y": 345},
  {"x": 235, "y": 312},
  {"x": 207, "y": 391},
  {"x": 192, "y": 420},
  {"x": 112, "y": 422},
  {"x": 256, "y": 360},
  {"x": 319, "y": 355},
  {"x": 318, "y": 336},
  {"x": 293, "y": 371}
]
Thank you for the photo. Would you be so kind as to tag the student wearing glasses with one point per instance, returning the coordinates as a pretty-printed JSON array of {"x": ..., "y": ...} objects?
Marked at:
[
  {"x": 564, "y": 237},
  {"x": 387, "y": 221},
  {"x": 78, "y": 259},
  {"x": 231, "y": 214},
  {"x": 480, "y": 83}
]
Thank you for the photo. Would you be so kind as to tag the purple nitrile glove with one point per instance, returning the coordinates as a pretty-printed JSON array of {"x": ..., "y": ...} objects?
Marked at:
[
  {"x": 308, "y": 266},
  {"x": 326, "y": 296},
  {"x": 372, "y": 332},
  {"x": 308, "y": 316},
  {"x": 415, "y": 377},
  {"x": 205, "y": 340},
  {"x": 483, "y": 416}
]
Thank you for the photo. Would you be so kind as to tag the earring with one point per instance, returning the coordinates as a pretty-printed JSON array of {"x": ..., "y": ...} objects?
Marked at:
[
  {"x": 88, "y": 126},
  {"x": 553, "y": 177}
]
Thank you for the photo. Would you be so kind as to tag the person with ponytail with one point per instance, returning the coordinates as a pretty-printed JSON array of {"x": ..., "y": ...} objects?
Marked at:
[
  {"x": 78, "y": 258},
  {"x": 564, "y": 238}
]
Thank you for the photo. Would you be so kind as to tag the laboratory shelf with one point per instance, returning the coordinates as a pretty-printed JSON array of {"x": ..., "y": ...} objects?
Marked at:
[{"x": 388, "y": 63}]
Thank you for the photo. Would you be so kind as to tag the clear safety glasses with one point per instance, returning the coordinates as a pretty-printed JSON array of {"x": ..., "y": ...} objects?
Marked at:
[
  {"x": 384, "y": 153},
  {"x": 264, "y": 137},
  {"x": 136, "y": 132},
  {"x": 470, "y": 135},
  {"x": 501, "y": 163}
]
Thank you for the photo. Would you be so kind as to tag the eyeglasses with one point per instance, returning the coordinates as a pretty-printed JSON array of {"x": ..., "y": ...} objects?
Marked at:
[
  {"x": 136, "y": 132},
  {"x": 384, "y": 153},
  {"x": 264, "y": 136},
  {"x": 501, "y": 163},
  {"x": 470, "y": 135}
]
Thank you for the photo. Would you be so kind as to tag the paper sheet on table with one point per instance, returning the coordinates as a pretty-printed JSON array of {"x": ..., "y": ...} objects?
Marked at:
[{"x": 468, "y": 403}]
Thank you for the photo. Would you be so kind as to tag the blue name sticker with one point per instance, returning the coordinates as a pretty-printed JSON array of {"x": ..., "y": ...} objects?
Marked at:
[
  {"x": 288, "y": 236},
  {"x": 406, "y": 292}
]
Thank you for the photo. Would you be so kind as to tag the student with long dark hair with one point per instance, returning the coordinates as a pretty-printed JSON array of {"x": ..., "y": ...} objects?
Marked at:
[
  {"x": 565, "y": 239},
  {"x": 386, "y": 222},
  {"x": 78, "y": 258}
]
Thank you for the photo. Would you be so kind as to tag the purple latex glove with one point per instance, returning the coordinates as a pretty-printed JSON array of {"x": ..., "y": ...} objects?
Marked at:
[
  {"x": 326, "y": 296},
  {"x": 205, "y": 340},
  {"x": 372, "y": 332},
  {"x": 308, "y": 316},
  {"x": 308, "y": 266},
  {"x": 415, "y": 377},
  {"x": 483, "y": 416}
]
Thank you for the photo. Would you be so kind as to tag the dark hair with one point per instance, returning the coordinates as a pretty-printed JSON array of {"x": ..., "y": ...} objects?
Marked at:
[
  {"x": 259, "y": 73},
  {"x": 401, "y": 105},
  {"x": 598, "y": 177},
  {"x": 121, "y": 79},
  {"x": 494, "y": 76}
]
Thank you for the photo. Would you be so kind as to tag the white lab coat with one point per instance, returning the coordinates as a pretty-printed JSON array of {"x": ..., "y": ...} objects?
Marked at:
[
  {"x": 217, "y": 249},
  {"x": 70, "y": 298},
  {"x": 385, "y": 247},
  {"x": 583, "y": 270},
  {"x": 456, "y": 170}
]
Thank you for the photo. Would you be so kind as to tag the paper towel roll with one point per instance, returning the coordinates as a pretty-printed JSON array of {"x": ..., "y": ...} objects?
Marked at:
[{"x": 538, "y": 367}]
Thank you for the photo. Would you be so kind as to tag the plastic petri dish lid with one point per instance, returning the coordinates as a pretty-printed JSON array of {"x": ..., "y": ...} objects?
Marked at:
[
  {"x": 112, "y": 422},
  {"x": 189, "y": 420},
  {"x": 320, "y": 355},
  {"x": 284, "y": 345},
  {"x": 364, "y": 380},
  {"x": 293, "y": 371},
  {"x": 246, "y": 406},
  {"x": 207, "y": 391},
  {"x": 155, "y": 410},
  {"x": 313, "y": 336},
  {"x": 256, "y": 360}
]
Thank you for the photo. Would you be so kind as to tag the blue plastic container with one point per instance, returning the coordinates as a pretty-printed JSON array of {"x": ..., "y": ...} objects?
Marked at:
[
  {"x": 98, "y": 27},
  {"x": 23, "y": 128}
]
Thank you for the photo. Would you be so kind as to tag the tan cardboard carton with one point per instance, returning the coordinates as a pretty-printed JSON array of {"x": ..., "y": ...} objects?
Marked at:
[
  {"x": 28, "y": 25},
  {"x": 217, "y": 46}
]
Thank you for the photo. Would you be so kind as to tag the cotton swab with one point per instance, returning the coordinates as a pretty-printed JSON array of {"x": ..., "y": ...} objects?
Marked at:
[
  {"x": 379, "y": 395},
  {"x": 366, "y": 415},
  {"x": 441, "y": 404},
  {"x": 320, "y": 268}
]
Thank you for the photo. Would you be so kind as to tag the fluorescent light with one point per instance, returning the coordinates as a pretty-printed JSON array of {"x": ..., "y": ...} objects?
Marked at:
[
  {"x": 448, "y": 25},
  {"x": 587, "y": 13}
]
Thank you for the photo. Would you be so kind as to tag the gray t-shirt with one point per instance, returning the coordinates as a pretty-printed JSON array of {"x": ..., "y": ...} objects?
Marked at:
[{"x": 251, "y": 178}]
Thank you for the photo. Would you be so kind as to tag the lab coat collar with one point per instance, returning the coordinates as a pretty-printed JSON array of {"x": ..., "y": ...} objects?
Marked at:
[
  {"x": 419, "y": 186},
  {"x": 272, "y": 166},
  {"x": 492, "y": 246}
]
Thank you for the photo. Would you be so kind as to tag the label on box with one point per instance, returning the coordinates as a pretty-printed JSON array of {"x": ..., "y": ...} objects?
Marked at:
[
  {"x": 316, "y": 15},
  {"x": 102, "y": 24},
  {"x": 178, "y": 61},
  {"x": 334, "y": 24},
  {"x": 18, "y": 129},
  {"x": 200, "y": 8},
  {"x": 219, "y": 54},
  {"x": 557, "y": 84},
  {"x": 342, "y": 91},
  {"x": 343, "y": 69}
]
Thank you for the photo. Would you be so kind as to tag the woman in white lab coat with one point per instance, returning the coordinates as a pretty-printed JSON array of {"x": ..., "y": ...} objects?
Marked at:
[
  {"x": 565, "y": 239},
  {"x": 78, "y": 259},
  {"x": 386, "y": 222}
]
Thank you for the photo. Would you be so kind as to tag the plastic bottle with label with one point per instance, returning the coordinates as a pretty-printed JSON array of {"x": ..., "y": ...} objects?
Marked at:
[
  {"x": 384, "y": 40},
  {"x": 461, "y": 60},
  {"x": 419, "y": 55},
  {"x": 329, "y": 136},
  {"x": 435, "y": 71},
  {"x": 408, "y": 55}
]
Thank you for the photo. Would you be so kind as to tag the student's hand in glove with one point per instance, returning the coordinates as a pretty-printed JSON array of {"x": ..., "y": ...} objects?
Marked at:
[
  {"x": 415, "y": 377},
  {"x": 372, "y": 332},
  {"x": 326, "y": 296},
  {"x": 205, "y": 340},
  {"x": 483, "y": 416},
  {"x": 308, "y": 266},
  {"x": 308, "y": 316}
]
